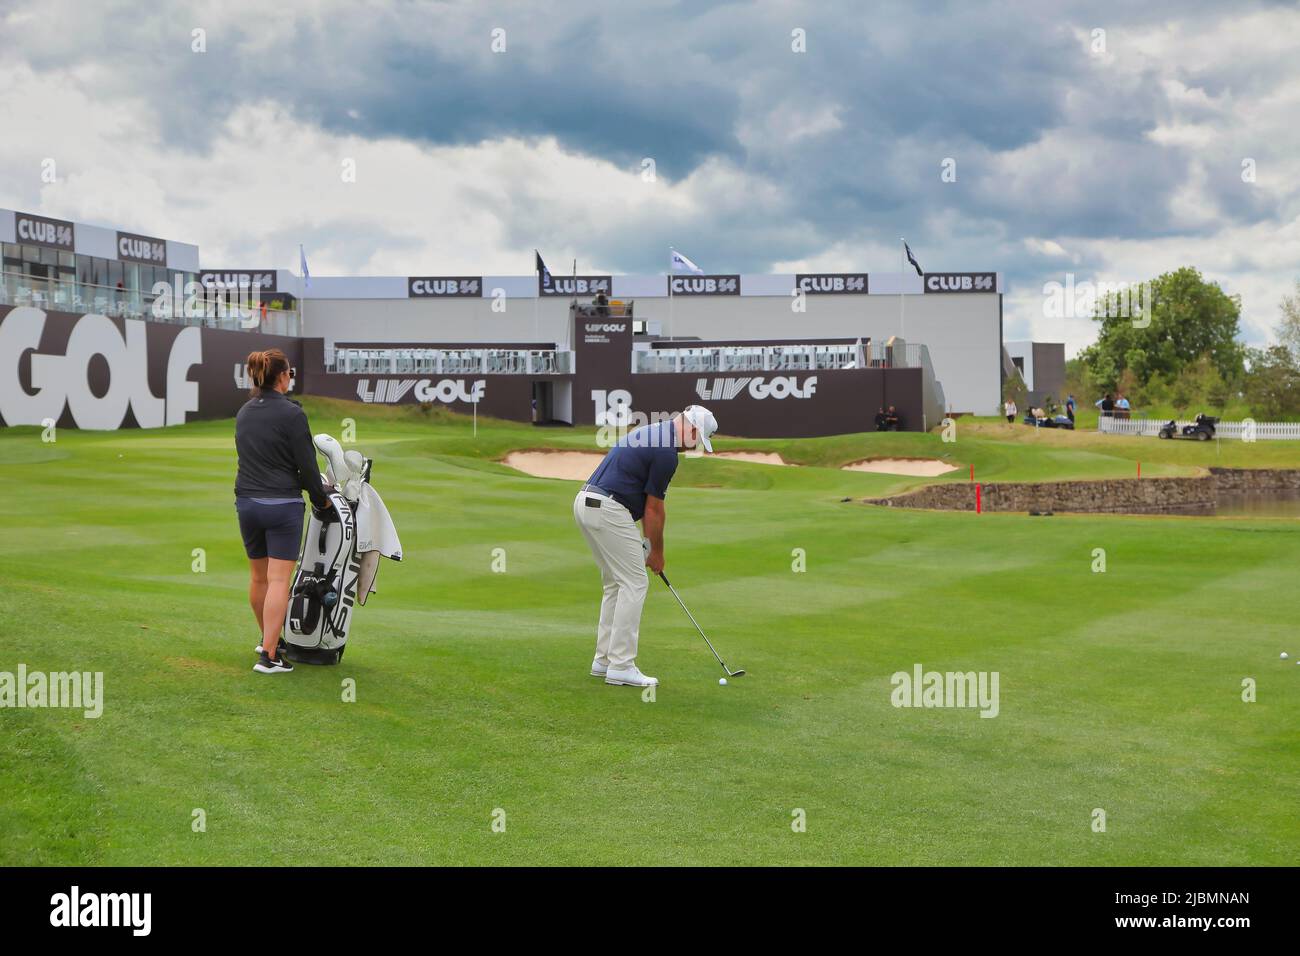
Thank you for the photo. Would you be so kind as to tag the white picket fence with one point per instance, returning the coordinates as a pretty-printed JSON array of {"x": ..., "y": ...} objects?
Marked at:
[{"x": 1263, "y": 431}]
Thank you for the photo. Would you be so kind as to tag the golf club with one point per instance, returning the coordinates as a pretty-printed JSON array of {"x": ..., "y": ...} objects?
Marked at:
[{"x": 730, "y": 672}]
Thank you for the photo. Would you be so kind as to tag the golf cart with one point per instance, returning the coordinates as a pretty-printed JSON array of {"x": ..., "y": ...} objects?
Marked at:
[
  {"x": 1033, "y": 417},
  {"x": 1200, "y": 430}
]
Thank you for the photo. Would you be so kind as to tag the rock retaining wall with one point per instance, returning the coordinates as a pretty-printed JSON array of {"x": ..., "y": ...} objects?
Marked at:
[{"x": 1105, "y": 496}]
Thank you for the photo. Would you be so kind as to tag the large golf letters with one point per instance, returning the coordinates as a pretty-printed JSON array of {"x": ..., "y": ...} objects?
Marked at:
[
  {"x": 64, "y": 381},
  {"x": 99, "y": 372}
]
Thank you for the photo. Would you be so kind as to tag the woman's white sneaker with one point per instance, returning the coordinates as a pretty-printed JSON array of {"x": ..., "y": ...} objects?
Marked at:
[{"x": 629, "y": 676}]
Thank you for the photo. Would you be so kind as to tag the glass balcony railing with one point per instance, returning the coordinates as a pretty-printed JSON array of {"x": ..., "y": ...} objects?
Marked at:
[
  {"x": 808, "y": 357},
  {"x": 450, "y": 361},
  {"x": 61, "y": 295}
]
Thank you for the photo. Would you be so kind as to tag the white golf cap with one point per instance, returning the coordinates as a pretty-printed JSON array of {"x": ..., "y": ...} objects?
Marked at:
[{"x": 704, "y": 423}]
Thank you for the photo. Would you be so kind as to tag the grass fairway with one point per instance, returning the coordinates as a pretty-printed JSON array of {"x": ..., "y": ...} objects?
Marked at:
[{"x": 1120, "y": 691}]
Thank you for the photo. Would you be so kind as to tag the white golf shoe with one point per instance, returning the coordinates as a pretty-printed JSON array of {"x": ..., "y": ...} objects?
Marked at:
[
  {"x": 598, "y": 669},
  {"x": 630, "y": 676}
]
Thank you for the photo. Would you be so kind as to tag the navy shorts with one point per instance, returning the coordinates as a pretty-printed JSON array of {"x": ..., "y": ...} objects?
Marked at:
[{"x": 273, "y": 531}]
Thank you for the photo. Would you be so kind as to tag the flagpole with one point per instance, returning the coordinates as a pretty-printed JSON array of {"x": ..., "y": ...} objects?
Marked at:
[
  {"x": 537, "y": 298},
  {"x": 902, "y": 323},
  {"x": 669, "y": 279}
]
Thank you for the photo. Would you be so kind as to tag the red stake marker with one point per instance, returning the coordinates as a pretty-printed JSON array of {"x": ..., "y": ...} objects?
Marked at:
[
  {"x": 1139, "y": 469},
  {"x": 978, "y": 508}
]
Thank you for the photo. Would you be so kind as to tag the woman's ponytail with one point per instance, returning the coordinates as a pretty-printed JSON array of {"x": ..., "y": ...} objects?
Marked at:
[{"x": 265, "y": 368}]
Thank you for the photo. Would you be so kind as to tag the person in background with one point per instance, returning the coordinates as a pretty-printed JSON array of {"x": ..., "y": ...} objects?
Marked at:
[
  {"x": 1106, "y": 404},
  {"x": 1009, "y": 407},
  {"x": 277, "y": 463},
  {"x": 1121, "y": 407},
  {"x": 602, "y": 304},
  {"x": 1069, "y": 407}
]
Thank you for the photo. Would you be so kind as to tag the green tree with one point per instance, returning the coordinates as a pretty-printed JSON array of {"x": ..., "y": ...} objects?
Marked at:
[
  {"x": 1185, "y": 318},
  {"x": 1273, "y": 385}
]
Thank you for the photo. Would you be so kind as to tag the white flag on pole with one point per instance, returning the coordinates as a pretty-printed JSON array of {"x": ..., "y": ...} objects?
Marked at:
[
  {"x": 681, "y": 264},
  {"x": 302, "y": 262}
]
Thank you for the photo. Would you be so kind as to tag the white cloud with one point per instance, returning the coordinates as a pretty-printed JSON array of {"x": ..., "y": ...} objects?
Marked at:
[{"x": 268, "y": 181}]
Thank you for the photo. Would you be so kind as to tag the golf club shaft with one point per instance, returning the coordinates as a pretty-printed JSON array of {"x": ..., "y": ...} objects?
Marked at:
[{"x": 693, "y": 621}]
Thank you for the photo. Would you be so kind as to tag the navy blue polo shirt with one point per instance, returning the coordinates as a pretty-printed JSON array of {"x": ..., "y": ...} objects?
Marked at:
[{"x": 641, "y": 464}]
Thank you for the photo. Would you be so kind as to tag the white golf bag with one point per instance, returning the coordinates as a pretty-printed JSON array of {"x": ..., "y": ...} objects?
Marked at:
[{"x": 339, "y": 560}]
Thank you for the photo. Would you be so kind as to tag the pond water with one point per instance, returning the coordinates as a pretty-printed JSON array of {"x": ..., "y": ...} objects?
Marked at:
[{"x": 1274, "y": 504}]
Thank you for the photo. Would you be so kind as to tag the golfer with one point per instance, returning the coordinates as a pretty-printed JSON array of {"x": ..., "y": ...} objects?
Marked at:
[
  {"x": 277, "y": 462},
  {"x": 629, "y": 486}
]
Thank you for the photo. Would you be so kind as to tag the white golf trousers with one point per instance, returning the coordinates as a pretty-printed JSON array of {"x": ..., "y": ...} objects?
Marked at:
[{"x": 616, "y": 544}]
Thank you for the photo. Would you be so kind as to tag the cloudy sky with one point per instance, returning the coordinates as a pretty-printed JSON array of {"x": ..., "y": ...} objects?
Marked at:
[{"x": 1170, "y": 138}]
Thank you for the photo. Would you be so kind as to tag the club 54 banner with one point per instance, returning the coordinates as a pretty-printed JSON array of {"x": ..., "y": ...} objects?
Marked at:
[
  {"x": 961, "y": 282},
  {"x": 574, "y": 285},
  {"x": 41, "y": 231},
  {"x": 264, "y": 279},
  {"x": 144, "y": 249},
  {"x": 832, "y": 283},
  {"x": 705, "y": 285},
  {"x": 435, "y": 287}
]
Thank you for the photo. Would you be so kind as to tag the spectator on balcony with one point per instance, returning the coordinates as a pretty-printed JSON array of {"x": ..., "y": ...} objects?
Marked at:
[
  {"x": 602, "y": 304},
  {"x": 1107, "y": 405}
]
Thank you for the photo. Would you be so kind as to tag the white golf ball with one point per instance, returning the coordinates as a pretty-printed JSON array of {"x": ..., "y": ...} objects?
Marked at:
[
  {"x": 1284, "y": 655},
  {"x": 722, "y": 681}
]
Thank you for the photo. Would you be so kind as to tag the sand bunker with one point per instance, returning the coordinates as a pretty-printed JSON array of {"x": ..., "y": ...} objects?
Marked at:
[
  {"x": 757, "y": 457},
  {"x": 578, "y": 465},
  {"x": 912, "y": 467},
  {"x": 566, "y": 465}
]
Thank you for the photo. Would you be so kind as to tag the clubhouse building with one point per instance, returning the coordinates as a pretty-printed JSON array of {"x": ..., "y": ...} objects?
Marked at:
[{"x": 105, "y": 328}]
